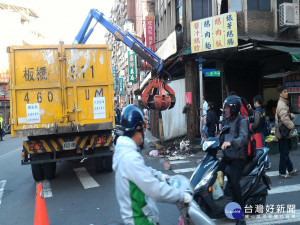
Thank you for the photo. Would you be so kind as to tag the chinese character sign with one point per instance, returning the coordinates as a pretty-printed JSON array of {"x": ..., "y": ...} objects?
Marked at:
[
  {"x": 114, "y": 71},
  {"x": 150, "y": 35},
  {"x": 121, "y": 88},
  {"x": 131, "y": 66},
  {"x": 33, "y": 113},
  {"x": 99, "y": 107},
  {"x": 214, "y": 33}
]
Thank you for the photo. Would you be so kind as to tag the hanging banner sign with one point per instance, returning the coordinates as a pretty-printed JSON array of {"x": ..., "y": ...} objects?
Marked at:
[
  {"x": 121, "y": 87},
  {"x": 150, "y": 35},
  {"x": 214, "y": 33},
  {"x": 114, "y": 71},
  {"x": 131, "y": 66},
  {"x": 4, "y": 76}
]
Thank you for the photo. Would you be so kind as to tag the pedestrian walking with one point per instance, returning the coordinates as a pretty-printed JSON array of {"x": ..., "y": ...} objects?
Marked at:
[
  {"x": 258, "y": 123},
  {"x": 1, "y": 128},
  {"x": 118, "y": 114},
  {"x": 283, "y": 123},
  {"x": 211, "y": 120},
  {"x": 138, "y": 186}
]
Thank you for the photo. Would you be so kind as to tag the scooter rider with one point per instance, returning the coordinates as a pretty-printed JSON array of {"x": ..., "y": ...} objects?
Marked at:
[
  {"x": 233, "y": 147},
  {"x": 137, "y": 185}
]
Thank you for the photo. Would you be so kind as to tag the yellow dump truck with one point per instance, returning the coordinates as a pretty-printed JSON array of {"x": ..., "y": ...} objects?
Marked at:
[{"x": 62, "y": 100}]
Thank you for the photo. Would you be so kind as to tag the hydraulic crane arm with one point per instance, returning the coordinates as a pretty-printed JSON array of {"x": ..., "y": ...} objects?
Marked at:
[
  {"x": 125, "y": 37},
  {"x": 154, "y": 96}
]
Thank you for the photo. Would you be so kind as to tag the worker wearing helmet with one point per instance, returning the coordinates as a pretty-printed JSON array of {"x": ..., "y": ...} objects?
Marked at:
[
  {"x": 235, "y": 155},
  {"x": 137, "y": 185}
]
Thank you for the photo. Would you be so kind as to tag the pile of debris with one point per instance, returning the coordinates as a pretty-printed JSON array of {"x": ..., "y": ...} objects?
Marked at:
[{"x": 177, "y": 147}]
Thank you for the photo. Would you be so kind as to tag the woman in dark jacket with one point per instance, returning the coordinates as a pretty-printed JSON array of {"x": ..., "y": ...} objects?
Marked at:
[{"x": 211, "y": 120}]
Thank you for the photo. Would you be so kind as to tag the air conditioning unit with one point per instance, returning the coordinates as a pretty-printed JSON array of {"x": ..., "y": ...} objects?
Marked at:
[{"x": 288, "y": 14}]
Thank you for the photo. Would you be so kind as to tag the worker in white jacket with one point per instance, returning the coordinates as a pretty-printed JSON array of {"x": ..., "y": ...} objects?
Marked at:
[{"x": 136, "y": 184}]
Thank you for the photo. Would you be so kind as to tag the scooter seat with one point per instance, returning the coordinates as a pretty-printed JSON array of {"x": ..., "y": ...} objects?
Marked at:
[{"x": 252, "y": 163}]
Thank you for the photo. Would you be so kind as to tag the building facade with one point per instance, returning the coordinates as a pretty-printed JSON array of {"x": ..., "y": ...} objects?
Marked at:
[
  {"x": 130, "y": 69},
  {"x": 19, "y": 31},
  {"x": 256, "y": 51}
]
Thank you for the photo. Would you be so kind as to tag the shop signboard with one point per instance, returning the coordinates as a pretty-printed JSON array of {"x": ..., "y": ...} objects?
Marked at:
[
  {"x": 150, "y": 35},
  {"x": 114, "y": 71},
  {"x": 292, "y": 82},
  {"x": 121, "y": 86},
  {"x": 131, "y": 66},
  {"x": 214, "y": 33}
]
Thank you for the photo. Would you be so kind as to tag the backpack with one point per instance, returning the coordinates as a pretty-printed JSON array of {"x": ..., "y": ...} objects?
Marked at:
[
  {"x": 250, "y": 147},
  {"x": 267, "y": 127}
]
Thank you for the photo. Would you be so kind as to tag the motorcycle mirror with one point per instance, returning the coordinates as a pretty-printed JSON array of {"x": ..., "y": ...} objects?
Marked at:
[{"x": 225, "y": 130}]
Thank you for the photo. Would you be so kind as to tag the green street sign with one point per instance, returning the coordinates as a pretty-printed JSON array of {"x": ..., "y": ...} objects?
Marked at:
[
  {"x": 131, "y": 66},
  {"x": 216, "y": 73},
  {"x": 296, "y": 57}
]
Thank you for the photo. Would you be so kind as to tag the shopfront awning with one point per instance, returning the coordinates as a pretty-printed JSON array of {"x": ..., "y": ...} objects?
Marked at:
[
  {"x": 293, "y": 51},
  {"x": 280, "y": 75}
]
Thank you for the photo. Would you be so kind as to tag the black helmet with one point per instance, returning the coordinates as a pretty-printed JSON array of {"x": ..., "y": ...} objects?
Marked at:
[
  {"x": 132, "y": 117},
  {"x": 235, "y": 103}
]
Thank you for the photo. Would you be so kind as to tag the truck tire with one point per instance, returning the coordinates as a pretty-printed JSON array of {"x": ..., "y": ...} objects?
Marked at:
[
  {"x": 99, "y": 164},
  {"x": 37, "y": 172},
  {"x": 108, "y": 163},
  {"x": 49, "y": 170}
]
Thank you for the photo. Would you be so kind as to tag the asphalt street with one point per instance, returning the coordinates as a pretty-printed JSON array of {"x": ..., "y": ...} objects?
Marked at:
[{"x": 78, "y": 195}]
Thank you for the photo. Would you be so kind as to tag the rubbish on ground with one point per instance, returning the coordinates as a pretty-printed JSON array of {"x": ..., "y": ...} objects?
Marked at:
[
  {"x": 153, "y": 153},
  {"x": 158, "y": 146},
  {"x": 167, "y": 166}
]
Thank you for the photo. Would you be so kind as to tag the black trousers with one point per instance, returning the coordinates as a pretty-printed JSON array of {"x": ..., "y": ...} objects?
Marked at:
[
  {"x": 236, "y": 168},
  {"x": 1, "y": 134},
  {"x": 285, "y": 163}
]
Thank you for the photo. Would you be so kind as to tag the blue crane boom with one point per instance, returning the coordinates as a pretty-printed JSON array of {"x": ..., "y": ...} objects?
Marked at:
[
  {"x": 127, "y": 38},
  {"x": 154, "y": 96}
]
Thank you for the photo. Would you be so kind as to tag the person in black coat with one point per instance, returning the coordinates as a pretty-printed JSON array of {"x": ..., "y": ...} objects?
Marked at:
[{"x": 211, "y": 120}]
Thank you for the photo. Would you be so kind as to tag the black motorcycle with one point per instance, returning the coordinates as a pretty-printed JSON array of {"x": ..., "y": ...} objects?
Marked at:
[{"x": 254, "y": 182}]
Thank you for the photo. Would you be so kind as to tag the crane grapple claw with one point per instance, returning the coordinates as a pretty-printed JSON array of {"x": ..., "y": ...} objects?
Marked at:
[{"x": 158, "y": 95}]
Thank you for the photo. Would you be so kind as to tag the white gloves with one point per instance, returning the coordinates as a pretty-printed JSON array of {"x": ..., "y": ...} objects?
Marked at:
[
  {"x": 187, "y": 198},
  {"x": 164, "y": 177}
]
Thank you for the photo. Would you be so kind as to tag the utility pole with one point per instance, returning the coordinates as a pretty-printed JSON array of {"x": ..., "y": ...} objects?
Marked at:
[{"x": 200, "y": 61}]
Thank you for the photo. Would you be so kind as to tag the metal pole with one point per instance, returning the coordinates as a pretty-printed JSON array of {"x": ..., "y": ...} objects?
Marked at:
[
  {"x": 200, "y": 60},
  {"x": 5, "y": 110}
]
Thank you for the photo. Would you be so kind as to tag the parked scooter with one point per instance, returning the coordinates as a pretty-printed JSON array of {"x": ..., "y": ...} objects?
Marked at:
[
  {"x": 254, "y": 182},
  {"x": 190, "y": 214},
  {"x": 117, "y": 132}
]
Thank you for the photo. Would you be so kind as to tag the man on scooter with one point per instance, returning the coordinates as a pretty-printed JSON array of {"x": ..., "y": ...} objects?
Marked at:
[
  {"x": 136, "y": 185},
  {"x": 235, "y": 155}
]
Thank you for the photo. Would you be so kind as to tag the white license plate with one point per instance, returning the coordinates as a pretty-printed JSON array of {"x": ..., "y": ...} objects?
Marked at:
[{"x": 69, "y": 145}]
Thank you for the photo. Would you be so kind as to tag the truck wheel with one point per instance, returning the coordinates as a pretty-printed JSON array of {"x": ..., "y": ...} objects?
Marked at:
[
  {"x": 49, "y": 170},
  {"x": 108, "y": 163},
  {"x": 99, "y": 164},
  {"x": 37, "y": 172}
]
